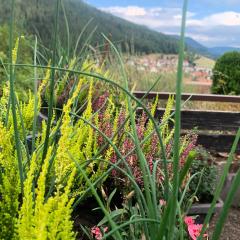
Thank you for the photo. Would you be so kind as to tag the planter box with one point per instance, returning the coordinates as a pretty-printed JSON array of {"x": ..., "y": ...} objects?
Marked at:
[
  {"x": 226, "y": 188},
  {"x": 202, "y": 208}
]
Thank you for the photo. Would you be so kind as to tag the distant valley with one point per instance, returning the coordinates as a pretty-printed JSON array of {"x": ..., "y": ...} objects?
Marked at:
[{"x": 213, "y": 52}]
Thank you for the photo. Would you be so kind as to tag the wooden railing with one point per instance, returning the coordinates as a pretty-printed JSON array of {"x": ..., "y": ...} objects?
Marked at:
[
  {"x": 216, "y": 129},
  {"x": 192, "y": 97}
]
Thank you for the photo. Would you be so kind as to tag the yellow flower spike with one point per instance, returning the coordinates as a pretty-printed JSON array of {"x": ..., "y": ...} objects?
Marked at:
[
  {"x": 44, "y": 83},
  {"x": 88, "y": 149},
  {"x": 4, "y": 101},
  {"x": 46, "y": 219},
  {"x": 15, "y": 51},
  {"x": 63, "y": 163},
  {"x": 40, "y": 215},
  {"x": 25, "y": 227},
  {"x": 165, "y": 119},
  {"x": 88, "y": 112},
  {"x": 59, "y": 222},
  {"x": 110, "y": 150},
  {"x": 154, "y": 107}
]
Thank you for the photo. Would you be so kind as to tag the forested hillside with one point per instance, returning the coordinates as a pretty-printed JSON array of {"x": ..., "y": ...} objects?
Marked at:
[{"x": 36, "y": 16}]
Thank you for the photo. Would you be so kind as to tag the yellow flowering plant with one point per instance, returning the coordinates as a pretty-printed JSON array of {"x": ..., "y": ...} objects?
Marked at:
[{"x": 51, "y": 184}]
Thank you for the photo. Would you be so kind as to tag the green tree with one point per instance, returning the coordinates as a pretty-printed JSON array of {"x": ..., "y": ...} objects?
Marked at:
[{"x": 226, "y": 74}]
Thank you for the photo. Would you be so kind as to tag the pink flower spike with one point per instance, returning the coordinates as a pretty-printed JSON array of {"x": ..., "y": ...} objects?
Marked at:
[{"x": 189, "y": 220}]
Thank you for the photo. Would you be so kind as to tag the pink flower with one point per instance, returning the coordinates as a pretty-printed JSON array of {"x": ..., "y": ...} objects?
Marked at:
[
  {"x": 191, "y": 145},
  {"x": 162, "y": 202},
  {"x": 96, "y": 232},
  {"x": 194, "y": 230},
  {"x": 189, "y": 220}
]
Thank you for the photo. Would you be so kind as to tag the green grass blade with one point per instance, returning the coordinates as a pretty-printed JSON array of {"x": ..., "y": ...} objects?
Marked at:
[
  {"x": 23, "y": 130},
  {"x": 109, "y": 141},
  {"x": 117, "y": 235},
  {"x": 148, "y": 220},
  {"x": 148, "y": 184},
  {"x": 186, "y": 168},
  {"x": 176, "y": 147},
  {"x": 34, "y": 131},
  {"x": 148, "y": 181},
  {"x": 227, "y": 204},
  {"x": 13, "y": 100},
  {"x": 80, "y": 36},
  {"x": 67, "y": 28},
  {"x": 220, "y": 184},
  {"x": 50, "y": 108}
]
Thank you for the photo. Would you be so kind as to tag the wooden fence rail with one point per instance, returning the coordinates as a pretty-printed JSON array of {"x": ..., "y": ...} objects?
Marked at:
[
  {"x": 190, "y": 96},
  {"x": 216, "y": 129}
]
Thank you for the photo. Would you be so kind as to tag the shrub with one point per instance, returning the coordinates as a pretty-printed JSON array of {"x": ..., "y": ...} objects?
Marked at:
[
  {"x": 207, "y": 183},
  {"x": 49, "y": 187},
  {"x": 226, "y": 74}
]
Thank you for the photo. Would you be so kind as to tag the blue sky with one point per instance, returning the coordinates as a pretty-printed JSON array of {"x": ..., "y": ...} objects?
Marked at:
[{"x": 211, "y": 22}]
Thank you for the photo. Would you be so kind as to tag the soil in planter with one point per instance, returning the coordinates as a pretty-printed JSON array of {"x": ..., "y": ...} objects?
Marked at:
[
  {"x": 231, "y": 230},
  {"x": 85, "y": 215}
]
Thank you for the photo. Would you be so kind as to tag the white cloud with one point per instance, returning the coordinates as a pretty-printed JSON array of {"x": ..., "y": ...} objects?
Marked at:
[
  {"x": 151, "y": 17},
  {"x": 204, "y": 38},
  {"x": 218, "y": 19},
  {"x": 225, "y": 19},
  {"x": 130, "y": 11},
  {"x": 207, "y": 30}
]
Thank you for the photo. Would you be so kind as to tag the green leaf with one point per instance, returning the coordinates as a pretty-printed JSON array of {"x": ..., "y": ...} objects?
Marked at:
[{"x": 113, "y": 215}]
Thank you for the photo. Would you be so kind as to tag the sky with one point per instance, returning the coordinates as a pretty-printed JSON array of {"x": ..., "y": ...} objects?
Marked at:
[{"x": 210, "y": 22}]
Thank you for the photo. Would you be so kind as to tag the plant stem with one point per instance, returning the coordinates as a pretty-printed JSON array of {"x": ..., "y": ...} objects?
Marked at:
[
  {"x": 36, "y": 98},
  {"x": 172, "y": 217},
  {"x": 13, "y": 100},
  {"x": 51, "y": 98}
]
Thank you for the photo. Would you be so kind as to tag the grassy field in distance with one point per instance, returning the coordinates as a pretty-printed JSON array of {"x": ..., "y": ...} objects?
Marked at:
[{"x": 205, "y": 62}]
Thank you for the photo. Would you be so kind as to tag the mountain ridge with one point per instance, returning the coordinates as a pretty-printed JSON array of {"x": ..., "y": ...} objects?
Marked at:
[
  {"x": 39, "y": 14},
  {"x": 211, "y": 52}
]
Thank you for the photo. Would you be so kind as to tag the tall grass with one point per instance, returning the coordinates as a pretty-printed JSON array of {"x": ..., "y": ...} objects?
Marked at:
[
  {"x": 50, "y": 108},
  {"x": 146, "y": 217},
  {"x": 13, "y": 98},
  {"x": 176, "y": 155}
]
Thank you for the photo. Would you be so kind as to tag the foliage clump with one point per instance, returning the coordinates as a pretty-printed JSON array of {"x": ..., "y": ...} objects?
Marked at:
[
  {"x": 226, "y": 74},
  {"x": 205, "y": 183}
]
